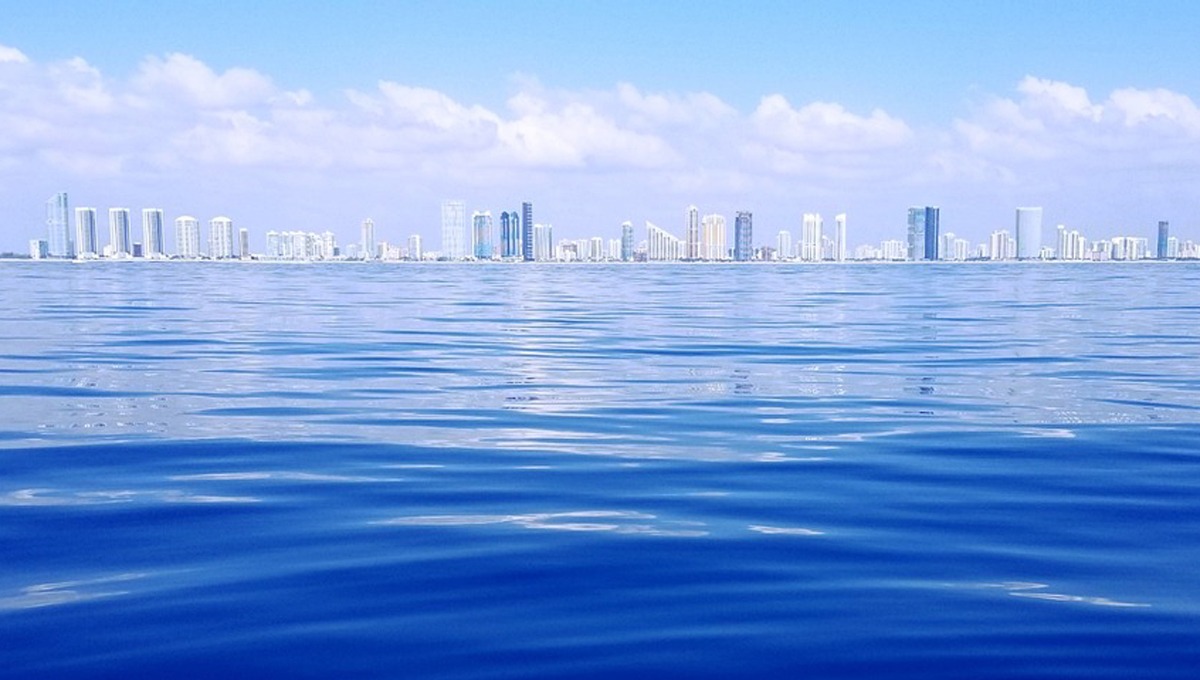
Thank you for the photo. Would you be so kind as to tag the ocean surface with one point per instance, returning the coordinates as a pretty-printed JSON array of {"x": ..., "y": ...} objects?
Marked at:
[{"x": 599, "y": 471}]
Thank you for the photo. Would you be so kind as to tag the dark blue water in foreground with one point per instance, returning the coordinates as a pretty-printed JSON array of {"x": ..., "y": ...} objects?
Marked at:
[{"x": 599, "y": 471}]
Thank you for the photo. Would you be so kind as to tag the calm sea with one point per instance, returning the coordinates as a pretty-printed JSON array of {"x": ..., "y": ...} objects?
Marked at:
[{"x": 496, "y": 471}]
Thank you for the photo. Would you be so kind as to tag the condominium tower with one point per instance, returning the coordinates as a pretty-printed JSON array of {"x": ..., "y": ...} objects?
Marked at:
[
  {"x": 152, "y": 232},
  {"x": 118, "y": 232},
  {"x": 58, "y": 227},
  {"x": 187, "y": 237},
  {"x": 1029, "y": 233},
  {"x": 85, "y": 232},
  {"x": 454, "y": 230}
]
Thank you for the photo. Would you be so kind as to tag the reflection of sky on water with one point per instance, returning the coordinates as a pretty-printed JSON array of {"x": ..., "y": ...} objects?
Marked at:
[{"x": 674, "y": 361}]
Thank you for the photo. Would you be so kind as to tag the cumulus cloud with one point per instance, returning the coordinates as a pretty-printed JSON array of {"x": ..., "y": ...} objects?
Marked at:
[
  {"x": 825, "y": 126},
  {"x": 12, "y": 55},
  {"x": 184, "y": 76}
]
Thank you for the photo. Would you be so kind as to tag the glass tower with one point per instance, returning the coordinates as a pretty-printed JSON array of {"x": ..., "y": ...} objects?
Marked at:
[
  {"x": 58, "y": 227},
  {"x": 527, "y": 232},
  {"x": 743, "y": 236},
  {"x": 152, "y": 232},
  {"x": 1029, "y": 233},
  {"x": 1164, "y": 235},
  {"x": 454, "y": 230}
]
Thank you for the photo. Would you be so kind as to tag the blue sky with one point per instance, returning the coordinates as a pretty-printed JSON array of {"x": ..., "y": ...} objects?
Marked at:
[{"x": 607, "y": 111}]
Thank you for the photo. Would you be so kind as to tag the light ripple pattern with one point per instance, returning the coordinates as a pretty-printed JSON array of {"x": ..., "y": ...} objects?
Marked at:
[{"x": 491, "y": 471}]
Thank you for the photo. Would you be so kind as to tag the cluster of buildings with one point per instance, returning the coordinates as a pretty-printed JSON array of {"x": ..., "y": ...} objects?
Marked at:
[{"x": 515, "y": 236}]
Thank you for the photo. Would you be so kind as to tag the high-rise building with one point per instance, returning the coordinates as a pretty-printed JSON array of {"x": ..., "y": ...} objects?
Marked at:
[
  {"x": 1164, "y": 235},
  {"x": 692, "y": 250},
  {"x": 1029, "y": 233},
  {"x": 810, "y": 237},
  {"x": 743, "y": 236},
  {"x": 783, "y": 246},
  {"x": 454, "y": 230},
  {"x": 85, "y": 231},
  {"x": 543, "y": 242},
  {"x": 414, "y": 247},
  {"x": 839, "y": 242},
  {"x": 932, "y": 220},
  {"x": 367, "y": 243},
  {"x": 662, "y": 246},
  {"x": 118, "y": 232},
  {"x": 712, "y": 238},
  {"x": 244, "y": 244},
  {"x": 510, "y": 235},
  {"x": 626, "y": 241},
  {"x": 152, "y": 232},
  {"x": 923, "y": 226},
  {"x": 220, "y": 238},
  {"x": 481, "y": 234},
  {"x": 527, "y": 253},
  {"x": 187, "y": 237},
  {"x": 58, "y": 227}
]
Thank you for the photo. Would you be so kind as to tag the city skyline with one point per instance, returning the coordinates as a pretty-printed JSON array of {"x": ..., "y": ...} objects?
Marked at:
[
  {"x": 201, "y": 115},
  {"x": 522, "y": 239}
]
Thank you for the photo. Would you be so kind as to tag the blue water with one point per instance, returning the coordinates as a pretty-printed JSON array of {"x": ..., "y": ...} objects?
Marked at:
[{"x": 489, "y": 471}]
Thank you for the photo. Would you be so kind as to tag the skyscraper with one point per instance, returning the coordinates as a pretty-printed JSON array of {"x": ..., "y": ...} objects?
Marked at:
[
  {"x": 743, "y": 236},
  {"x": 1164, "y": 235},
  {"x": 923, "y": 225},
  {"x": 85, "y": 231},
  {"x": 58, "y": 227},
  {"x": 932, "y": 219},
  {"x": 527, "y": 231},
  {"x": 783, "y": 245},
  {"x": 414, "y": 247},
  {"x": 152, "y": 232},
  {"x": 626, "y": 241},
  {"x": 839, "y": 247},
  {"x": 712, "y": 238},
  {"x": 220, "y": 238},
  {"x": 368, "y": 239},
  {"x": 692, "y": 235},
  {"x": 118, "y": 232},
  {"x": 481, "y": 234},
  {"x": 1029, "y": 233},
  {"x": 244, "y": 243},
  {"x": 187, "y": 237},
  {"x": 454, "y": 230},
  {"x": 543, "y": 242},
  {"x": 662, "y": 246},
  {"x": 810, "y": 237},
  {"x": 510, "y": 235}
]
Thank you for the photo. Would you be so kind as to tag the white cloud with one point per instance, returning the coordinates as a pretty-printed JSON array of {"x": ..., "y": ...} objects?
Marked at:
[
  {"x": 181, "y": 75},
  {"x": 11, "y": 55},
  {"x": 825, "y": 127}
]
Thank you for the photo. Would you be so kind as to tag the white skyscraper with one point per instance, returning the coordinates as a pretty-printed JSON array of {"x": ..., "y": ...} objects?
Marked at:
[
  {"x": 85, "y": 231},
  {"x": 152, "y": 232},
  {"x": 1029, "y": 233},
  {"x": 414, "y": 247},
  {"x": 368, "y": 239},
  {"x": 187, "y": 237},
  {"x": 713, "y": 243},
  {"x": 692, "y": 249},
  {"x": 454, "y": 230},
  {"x": 58, "y": 227},
  {"x": 220, "y": 238},
  {"x": 810, "y": 238},
  {"x": 543, "y": 242},
  {"x": 118, "y": 232},
  {"x": 839, "y": 247},
  {"x": 662, "y": 246},
  {"x": 783, "y": 246}
]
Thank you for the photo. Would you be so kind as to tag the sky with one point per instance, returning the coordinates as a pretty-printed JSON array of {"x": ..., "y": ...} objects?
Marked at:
[{"x": 314, "y": 116}]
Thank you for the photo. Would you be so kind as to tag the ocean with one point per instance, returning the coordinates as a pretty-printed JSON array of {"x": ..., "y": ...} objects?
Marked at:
[{"x": 596, "y": 471}]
